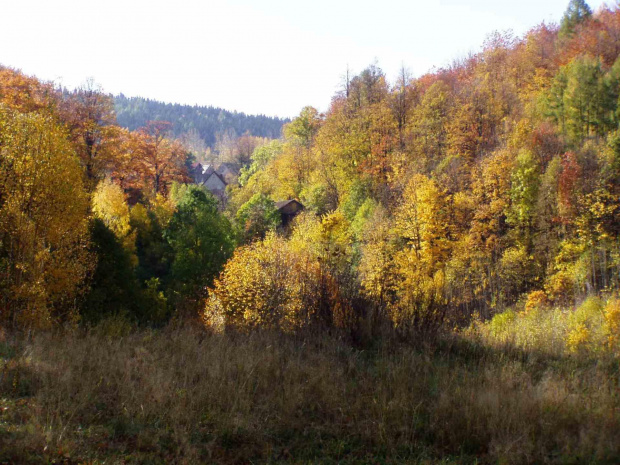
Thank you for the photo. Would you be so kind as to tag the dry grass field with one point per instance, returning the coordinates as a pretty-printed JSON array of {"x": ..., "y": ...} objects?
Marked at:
[{"x": 182, "y": 395}]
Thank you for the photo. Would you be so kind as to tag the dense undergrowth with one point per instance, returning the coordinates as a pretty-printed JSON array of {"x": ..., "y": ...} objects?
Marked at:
[
  {"x": 591, "y": 328},
  {"x": 183, "y": 395}
]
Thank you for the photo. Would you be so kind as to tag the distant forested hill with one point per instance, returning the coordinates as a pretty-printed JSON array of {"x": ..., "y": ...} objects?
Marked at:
[{"x": 206, "y": 122}]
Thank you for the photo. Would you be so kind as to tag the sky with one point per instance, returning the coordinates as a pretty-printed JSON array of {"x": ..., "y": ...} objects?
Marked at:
[{"x": 268, "y": 57}]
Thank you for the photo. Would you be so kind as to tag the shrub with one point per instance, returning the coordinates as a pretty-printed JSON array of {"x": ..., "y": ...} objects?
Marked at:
[
  {"x": 561, "y": 287},
  {"x": 585, "y": 325},
  {"x": 500, "y": 324},
  {"x": 265, "y": 285},
  {"x": 535, "y": 300},
  {"x": 592, "y": 329}
]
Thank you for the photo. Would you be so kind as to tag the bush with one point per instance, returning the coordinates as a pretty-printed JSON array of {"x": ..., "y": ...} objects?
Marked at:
[
  {"x": 264, "y": 285},
  {"x": 500, "y": 324},
  {"x": 536, "y": 300},
  {"x": 272, "y": 285},
  {"x": 592, "y": 329},
  {"x": 585, "y": 326}
]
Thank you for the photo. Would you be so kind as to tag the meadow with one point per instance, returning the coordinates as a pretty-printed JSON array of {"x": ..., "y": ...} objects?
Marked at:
[{"x": 183, "y": 395}]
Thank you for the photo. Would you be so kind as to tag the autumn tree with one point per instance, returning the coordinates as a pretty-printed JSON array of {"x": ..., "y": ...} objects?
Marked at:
[
  {"x": 109, "y": 205},
  {"x": 430, "y": 123},
  {"x": 403, "y": 99},
  {"x": 423, "y": 226},
  {"x": 276, "y": 285},
  {"x": 265, "y": 285},
  {"x": 378, "y": 247},
  {"x": 43, "y": 221},
  {"x": 26, "y": 94},
  {"x": 158, "y": 161},
  {"x": 90, "y": 118}
]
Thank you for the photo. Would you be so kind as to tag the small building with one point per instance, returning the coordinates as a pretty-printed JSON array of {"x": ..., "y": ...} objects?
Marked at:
[
  {"x": 289, "y": 209},
  {"x": 206, "y": 175},
  {"x": 201, "y": 172},
  {"x": 215, "y": 182}
]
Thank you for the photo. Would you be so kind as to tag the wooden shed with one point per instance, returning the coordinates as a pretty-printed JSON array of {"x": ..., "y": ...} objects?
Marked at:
[{"x": 289, "y": 209}]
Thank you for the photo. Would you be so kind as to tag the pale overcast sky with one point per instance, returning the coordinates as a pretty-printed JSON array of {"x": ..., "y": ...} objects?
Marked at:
[{"x": 271, "y": 56}]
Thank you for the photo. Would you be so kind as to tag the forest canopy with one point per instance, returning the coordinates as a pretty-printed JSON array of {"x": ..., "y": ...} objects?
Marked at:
[{"x": 427, "y": 201}]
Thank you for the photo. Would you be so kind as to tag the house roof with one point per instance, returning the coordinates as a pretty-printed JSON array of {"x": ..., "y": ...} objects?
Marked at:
[
  {"x": 215, "y": 173},
  {"x": 283, "y": 203}
]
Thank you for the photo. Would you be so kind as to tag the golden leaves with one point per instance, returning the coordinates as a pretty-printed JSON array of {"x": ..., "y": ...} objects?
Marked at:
[{"x": 43, "y": 219}]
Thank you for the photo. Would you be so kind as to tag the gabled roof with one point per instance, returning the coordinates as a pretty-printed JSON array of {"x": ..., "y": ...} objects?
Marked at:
[
  {"x": 214, "y": 173},
  {"x": 283, "y": 203}
]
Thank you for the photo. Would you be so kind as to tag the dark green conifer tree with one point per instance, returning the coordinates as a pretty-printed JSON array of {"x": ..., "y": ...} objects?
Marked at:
[{"x": 577, "y": 12}]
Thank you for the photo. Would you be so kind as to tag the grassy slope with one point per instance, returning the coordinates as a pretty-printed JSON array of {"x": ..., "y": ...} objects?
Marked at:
[{"x": 186, "y": 396}]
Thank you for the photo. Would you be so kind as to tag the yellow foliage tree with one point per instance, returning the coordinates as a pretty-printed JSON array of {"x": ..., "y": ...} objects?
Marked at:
[
  {"x": 264, "y": 285},
  {"x": 43, "y": 222},
  {"x": 423, "y": 223},
  {"x": 377, "y": 254},
  {"x": 109, "y": 205}
]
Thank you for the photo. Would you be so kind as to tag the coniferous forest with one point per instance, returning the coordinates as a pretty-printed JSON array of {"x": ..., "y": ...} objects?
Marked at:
[
  {"x": 446, "y": 292},
  {"x": 207, "y": 124}
]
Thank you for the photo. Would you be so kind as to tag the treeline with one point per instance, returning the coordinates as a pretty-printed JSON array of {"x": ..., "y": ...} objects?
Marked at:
[
  {"x": 489, "y": 183},
  {"x": 193, "y": 123}
]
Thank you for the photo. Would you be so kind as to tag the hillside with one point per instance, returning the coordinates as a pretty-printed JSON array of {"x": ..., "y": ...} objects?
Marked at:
[
  {"x": 205, "y": 121},
  {"x": 427, "y": 272}
]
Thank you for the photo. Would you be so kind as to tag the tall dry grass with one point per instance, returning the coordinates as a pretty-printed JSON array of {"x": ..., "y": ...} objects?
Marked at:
[{"x": 181, "y": 395}]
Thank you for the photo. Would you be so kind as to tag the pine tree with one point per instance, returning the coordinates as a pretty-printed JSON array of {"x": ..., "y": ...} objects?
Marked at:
[{"x": 576, "y": 13}]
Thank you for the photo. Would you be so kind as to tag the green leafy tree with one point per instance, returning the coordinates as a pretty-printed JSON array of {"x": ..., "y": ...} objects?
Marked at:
[
  {"x": 153, "y": 251},
  {"x": 583, "y": 99},
  {"x": 114, "y": 289},
  {"x": 260, "y": 158},
  {"x": 201, "y": 240},
  {"x": 256, "y": 217},
  {"x": 303, "y": 128}
]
